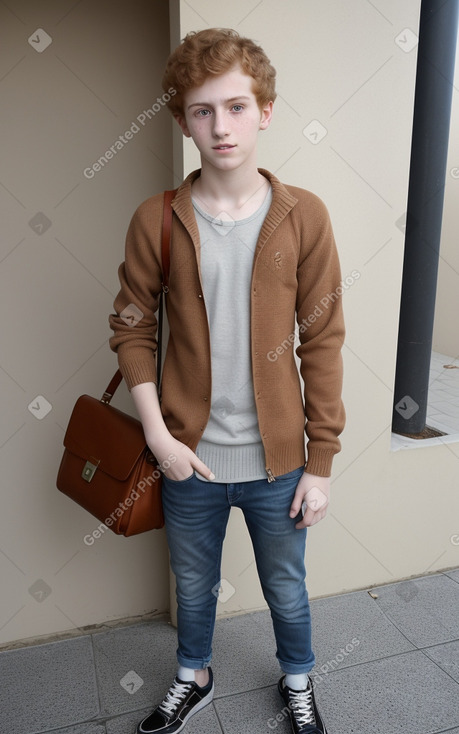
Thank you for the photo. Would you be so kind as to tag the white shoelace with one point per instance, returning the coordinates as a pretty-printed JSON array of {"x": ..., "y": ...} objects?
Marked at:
[
  {"x": 174, "y": 697},
  {"x": 301, "y": 707}
]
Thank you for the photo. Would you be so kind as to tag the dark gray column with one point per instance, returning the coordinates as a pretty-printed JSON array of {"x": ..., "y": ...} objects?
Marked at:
[{"x": 431, "y": 123}]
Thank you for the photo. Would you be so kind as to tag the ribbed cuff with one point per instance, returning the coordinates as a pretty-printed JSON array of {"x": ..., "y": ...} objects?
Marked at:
[
  {"x": 319, "y": 461},
  {"x": 135, "y": 372}
]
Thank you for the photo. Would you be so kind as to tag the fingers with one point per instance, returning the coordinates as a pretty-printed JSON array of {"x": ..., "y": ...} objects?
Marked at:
[
  {"x": 202, "y": 469},
  {"x": 312, "y": 499},
  {"x": 311, "y": 518},
  {"x": 195, "y": 464},
  {"x": 296, "y": 504},
  {"x": 186, "y": 462}
]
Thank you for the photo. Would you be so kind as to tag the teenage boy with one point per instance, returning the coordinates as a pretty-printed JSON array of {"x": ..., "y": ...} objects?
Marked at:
[{"x": 248, "y": 256}]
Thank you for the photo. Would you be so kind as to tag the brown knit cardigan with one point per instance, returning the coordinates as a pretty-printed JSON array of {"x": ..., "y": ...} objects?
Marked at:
[{"x": 295, "y": 286}]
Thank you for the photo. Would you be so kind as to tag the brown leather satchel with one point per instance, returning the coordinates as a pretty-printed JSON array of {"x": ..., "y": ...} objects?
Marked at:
[{"x": 107, "y": 468}]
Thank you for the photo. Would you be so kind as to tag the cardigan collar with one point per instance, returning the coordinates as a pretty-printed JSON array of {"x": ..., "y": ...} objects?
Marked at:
[{"x": 282, "y": 203}]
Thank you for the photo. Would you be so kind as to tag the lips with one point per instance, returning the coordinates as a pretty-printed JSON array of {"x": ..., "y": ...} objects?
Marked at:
[{"x": 223, "y": 147}]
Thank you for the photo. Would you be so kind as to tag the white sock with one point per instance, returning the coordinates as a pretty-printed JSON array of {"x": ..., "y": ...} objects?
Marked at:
[
  {"x": 185, "y": 674},
  {"x": 297, "y": 682}
]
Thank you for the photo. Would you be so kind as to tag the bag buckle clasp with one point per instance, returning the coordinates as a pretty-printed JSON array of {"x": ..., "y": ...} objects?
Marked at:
[{"x": 89, "y": 470}]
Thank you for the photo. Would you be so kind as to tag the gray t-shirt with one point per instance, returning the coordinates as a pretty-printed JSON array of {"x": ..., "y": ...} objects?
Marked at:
[{"x": 231, "y": 444}]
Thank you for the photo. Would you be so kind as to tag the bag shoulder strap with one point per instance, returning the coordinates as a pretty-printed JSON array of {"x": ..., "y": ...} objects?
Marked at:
[
  {"x": 166, "y": 237},
  {"x": 165, "y": 262}
]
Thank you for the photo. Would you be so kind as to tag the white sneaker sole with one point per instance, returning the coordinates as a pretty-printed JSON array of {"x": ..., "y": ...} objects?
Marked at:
[{"x": 199, "y": 706}]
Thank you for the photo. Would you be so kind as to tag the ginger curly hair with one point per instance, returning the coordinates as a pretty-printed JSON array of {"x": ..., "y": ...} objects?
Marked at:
[{"x": 215, "y": 51}]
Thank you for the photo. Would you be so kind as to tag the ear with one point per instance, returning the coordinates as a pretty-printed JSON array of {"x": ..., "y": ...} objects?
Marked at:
[
  {"x": 266, "y": 115},
  {"x": 183, "y": 126}
]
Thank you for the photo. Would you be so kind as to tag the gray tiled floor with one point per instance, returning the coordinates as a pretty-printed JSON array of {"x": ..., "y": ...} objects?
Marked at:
[
  {"x": 384, "y": 665},
  {"x": 442, "y": 404}
]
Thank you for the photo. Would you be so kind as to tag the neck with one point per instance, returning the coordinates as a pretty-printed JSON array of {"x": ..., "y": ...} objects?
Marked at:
[{"x": 232, "y": 188}]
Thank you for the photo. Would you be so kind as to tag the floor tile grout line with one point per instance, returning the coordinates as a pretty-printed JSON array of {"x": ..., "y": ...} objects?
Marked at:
[
  {"x": 332, "y": 672},
  {"x": 439, "y": 667},
  {"x": 220, "y": 724},
  {"x": 393, "y": 623},
  {"x": 222, "y": 697},
  {"x": 89, "y": 723},
  {"x": 444, "y": 573},
  {"x": 438, "y": 644},
  {"x": 96, "y": 673},
  {"x": 453, "y": 728},
  {"x": 104, "y": 715}
]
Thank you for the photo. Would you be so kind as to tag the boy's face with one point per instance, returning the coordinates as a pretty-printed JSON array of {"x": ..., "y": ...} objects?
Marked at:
[{"x": 223, "y": 118}]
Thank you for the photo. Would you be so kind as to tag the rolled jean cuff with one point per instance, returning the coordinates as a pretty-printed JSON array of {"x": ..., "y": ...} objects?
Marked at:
[
  {"x": 297, "y": 668},
  {"x": 193, "y": 664}
]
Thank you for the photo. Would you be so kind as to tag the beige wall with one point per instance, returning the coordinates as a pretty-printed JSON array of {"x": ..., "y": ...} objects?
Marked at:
[
  {"x": 446, "y": 333},
  {"x": 61, "y": 109},
  {"x": 393, "y": 514},
  {"x": 340, "y": 63}
]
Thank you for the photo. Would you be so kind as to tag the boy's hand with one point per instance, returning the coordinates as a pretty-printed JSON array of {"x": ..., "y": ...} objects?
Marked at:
[
  {"x": 184, "y": 461},
  {"x": 314, "y": 492}
]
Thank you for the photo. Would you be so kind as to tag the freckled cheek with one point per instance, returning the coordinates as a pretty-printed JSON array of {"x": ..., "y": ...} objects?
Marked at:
[
  {"x": 247, "y": 127},
  {"x": 197, "y": 126},
  {"x": 199, "y": 130}
]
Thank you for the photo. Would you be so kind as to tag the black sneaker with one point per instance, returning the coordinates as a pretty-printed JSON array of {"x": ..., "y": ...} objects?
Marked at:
[
  {"x": 302, "y": 709},
  {"x": 182, "y": 701}
]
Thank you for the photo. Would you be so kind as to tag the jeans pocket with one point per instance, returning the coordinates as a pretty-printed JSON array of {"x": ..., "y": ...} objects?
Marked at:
[{"x": 178, "y": 481}]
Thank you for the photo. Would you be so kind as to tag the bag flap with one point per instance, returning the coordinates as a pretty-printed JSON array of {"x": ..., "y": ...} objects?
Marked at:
[{"x": 105, "y": 436}]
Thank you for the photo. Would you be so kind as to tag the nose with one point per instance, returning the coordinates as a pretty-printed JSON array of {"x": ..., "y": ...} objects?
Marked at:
[{"x": 220, "y": 127}]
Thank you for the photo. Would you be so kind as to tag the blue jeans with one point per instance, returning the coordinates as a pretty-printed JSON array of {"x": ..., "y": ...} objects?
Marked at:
[{"x": 196, "y": 515}]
